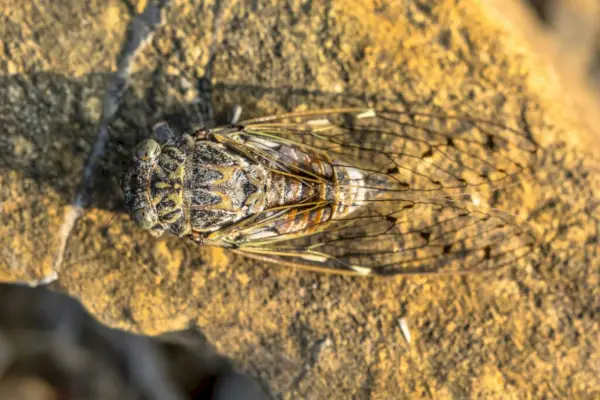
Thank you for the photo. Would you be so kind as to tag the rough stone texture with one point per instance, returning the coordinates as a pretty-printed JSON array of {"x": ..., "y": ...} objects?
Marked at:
[{"x": 529, "y": 330}]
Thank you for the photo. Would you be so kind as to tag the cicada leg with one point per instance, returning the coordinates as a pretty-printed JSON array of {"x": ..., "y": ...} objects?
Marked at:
[{"x": 306, "y": 267}]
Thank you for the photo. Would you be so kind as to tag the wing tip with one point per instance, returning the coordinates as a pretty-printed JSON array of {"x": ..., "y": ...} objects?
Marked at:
[
  {"x": 368, "y": 113},
  {"x": 360, "y": 270}
]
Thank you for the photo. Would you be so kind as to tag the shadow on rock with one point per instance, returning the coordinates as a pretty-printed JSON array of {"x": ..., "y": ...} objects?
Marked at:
[{"x": 50, "y": 346}]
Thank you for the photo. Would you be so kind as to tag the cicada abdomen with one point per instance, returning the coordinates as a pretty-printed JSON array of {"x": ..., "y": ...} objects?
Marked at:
[{"x": 347, "y": 191}]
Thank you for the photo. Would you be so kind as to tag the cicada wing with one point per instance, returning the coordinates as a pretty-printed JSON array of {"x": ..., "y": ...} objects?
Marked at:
[
  {"x": 415, "y": 170},
  {"x": 442, "y": 237},
  {"x": 421, "y": 154},
  {"x": 274, "y": 225}
]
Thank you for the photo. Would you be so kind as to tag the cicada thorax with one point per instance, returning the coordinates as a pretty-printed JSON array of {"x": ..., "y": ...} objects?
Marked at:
[
  {"x": 302, "y": 190},
  {"x": 225, "y": 187}
]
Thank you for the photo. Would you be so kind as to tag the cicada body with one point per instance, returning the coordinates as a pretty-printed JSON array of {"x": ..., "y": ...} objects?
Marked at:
[{"x": 351, "y": 191}]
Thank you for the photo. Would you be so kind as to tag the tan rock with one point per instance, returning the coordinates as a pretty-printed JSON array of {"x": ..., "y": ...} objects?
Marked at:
[{"x": 466, "y": 338}]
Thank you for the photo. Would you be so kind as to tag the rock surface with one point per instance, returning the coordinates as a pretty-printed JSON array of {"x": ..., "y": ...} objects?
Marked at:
[{"x": 531, "y": 329}]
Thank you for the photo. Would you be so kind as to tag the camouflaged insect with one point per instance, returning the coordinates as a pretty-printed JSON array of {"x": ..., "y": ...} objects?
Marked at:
[{"x": 350, "y": 191}]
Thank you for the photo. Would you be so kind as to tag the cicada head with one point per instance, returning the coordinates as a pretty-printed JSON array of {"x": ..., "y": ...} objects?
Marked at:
[
  {"x": 136, "y": 184},
  {"x": 153, "y": 185}
]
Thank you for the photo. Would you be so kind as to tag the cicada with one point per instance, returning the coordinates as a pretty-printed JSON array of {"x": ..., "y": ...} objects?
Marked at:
[{"x": 347, "y": 191}]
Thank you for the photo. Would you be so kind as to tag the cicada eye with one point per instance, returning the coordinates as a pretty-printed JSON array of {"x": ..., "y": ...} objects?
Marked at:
[
  {"x": 147, "y": 150},
  {"x": 143, "y": 219}
]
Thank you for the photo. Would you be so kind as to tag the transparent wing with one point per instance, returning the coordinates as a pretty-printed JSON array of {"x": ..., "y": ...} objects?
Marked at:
[
  {"x": 425, "y": 153},
  {"x": 423, "y": 173},
  {"x": 419, "y": 238}
]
